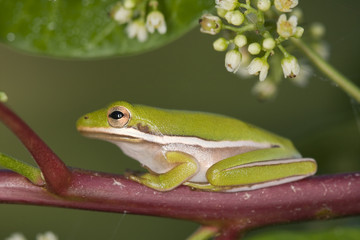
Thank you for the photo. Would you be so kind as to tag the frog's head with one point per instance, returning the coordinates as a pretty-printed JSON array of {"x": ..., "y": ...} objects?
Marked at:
[{"x": 120, "y": 121}]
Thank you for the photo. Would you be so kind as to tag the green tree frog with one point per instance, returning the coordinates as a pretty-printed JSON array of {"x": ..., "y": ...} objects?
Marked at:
[{"x": 201, "y": 150}]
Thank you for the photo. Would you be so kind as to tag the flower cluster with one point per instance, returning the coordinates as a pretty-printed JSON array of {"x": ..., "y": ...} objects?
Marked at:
[
  {"x": 256, "y": 32},
  {"x": 41, "y": 236},
  {"x": 139, "y": 22}
]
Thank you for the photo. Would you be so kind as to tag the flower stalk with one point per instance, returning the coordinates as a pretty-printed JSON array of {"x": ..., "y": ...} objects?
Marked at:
[{"x": 340, "y": 80}]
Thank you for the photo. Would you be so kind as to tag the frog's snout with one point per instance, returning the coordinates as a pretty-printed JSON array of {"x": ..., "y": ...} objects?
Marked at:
[{"x": 93, "y": 119}]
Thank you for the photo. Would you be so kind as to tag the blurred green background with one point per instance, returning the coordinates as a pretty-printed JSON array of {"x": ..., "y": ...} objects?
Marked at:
[{"x": 50, "y": 94}]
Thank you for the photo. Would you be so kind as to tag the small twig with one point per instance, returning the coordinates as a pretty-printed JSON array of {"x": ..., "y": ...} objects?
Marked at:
[{"x": 56, "y": 174}]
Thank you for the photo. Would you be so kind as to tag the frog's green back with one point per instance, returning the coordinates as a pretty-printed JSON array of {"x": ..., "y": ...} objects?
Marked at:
[{"x": 204, "y": 125}]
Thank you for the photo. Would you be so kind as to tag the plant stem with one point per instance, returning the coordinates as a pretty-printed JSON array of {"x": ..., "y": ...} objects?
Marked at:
[
  {"x": 55, "y": 172},
  {"x": 350, "y": 88},
  {"x": 240, "y": 30},
  {"x": 283, "y": 50},
  {"x": 318, "y": 197}
]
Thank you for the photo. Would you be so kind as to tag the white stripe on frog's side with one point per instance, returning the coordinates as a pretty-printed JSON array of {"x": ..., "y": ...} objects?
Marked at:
[
  {"x": 273, "y": 162},
  {"x": 164, "y": 139},
  {"x": 267, "y": 184}
]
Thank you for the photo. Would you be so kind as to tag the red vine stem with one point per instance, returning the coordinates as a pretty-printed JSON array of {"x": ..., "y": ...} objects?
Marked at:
[{"x": 320, "y": 197}]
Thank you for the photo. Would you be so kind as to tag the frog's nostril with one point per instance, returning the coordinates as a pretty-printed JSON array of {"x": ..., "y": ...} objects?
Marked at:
[{"x": 86, "y": 117}]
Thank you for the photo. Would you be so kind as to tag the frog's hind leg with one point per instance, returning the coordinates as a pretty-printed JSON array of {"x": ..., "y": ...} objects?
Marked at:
[{"x": 259, "y": 169}]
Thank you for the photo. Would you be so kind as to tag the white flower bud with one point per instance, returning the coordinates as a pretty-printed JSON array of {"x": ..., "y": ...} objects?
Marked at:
[
  {"x": 299, "y": 32},
  {"x": 210, "y": 24},
  {"x": 265, "y": 90},
  {"x": 254, "y": 48},
  {"x": 317, "y": 30},
  {"x": 121, "y": 14},
  {"x": 16, "y": 236},
  {"x": 290, "y": 66},
  {"x": 235, "y": 17},
  {"x": 221, "y": 12},
  {"x": 269, "y": 44},
  {"x": 228, "y": 5},
  {"x": 46, "y": 236},
  {"x": 137, "y": 29},
  {"x": 259, "y": 66},
  {"x": 156, "y": 20},
  {"x": 245, "y": 61},
  {"x": 232, "y": 60},
  {"x": 286, "y": 28},
  {"x": 263, "y": 5},
  {"x": 240, "y": 40},
  {"x": 221, "y": 44},
  {"x": 129, "y": 4},
  {"x": 285, "y": 5},
  {"x": 298, "y": 13},
  {"x": 3, "y": 97}
]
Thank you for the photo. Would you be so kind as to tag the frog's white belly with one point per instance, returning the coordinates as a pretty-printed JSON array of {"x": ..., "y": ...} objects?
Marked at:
[{"x": 152, "y": 155}]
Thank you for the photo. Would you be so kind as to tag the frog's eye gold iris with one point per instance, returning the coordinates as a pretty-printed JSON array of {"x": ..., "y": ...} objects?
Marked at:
[{"x": 118, "y": 116}]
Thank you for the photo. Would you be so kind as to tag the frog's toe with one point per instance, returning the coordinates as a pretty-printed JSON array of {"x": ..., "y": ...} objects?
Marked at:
[{"x": 129, "y": 172}]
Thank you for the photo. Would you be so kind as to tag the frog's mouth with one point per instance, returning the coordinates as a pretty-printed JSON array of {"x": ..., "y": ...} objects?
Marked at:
[{"x": 104, "y": 134}]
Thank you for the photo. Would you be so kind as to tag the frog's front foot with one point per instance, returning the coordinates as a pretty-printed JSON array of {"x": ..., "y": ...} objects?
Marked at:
[
  {"x": 185, "y": 168},
  {"x": 139, "y": 177}
]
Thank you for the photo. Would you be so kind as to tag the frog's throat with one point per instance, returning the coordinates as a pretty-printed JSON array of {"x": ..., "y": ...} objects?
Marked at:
[{"x": 112, "y": 137}]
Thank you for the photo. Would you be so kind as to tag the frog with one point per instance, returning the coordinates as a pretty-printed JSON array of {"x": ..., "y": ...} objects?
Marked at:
[{"x": 205, "y": 151}]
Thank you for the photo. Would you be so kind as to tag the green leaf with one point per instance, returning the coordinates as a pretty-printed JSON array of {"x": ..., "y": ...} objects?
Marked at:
[
  {"x": 338, "y": 233},
  {"x": 83, "y": 28}
]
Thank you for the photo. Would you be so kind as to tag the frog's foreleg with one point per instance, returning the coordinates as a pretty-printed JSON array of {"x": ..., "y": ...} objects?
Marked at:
[{"x": 186, "y": 167}]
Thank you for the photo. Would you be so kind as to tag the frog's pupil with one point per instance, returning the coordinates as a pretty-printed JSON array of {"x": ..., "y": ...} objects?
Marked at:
[{"x": 116, "y": 115}]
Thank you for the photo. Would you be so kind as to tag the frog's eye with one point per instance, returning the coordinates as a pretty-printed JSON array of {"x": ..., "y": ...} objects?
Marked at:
[{"x": 118, "y": 116}]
